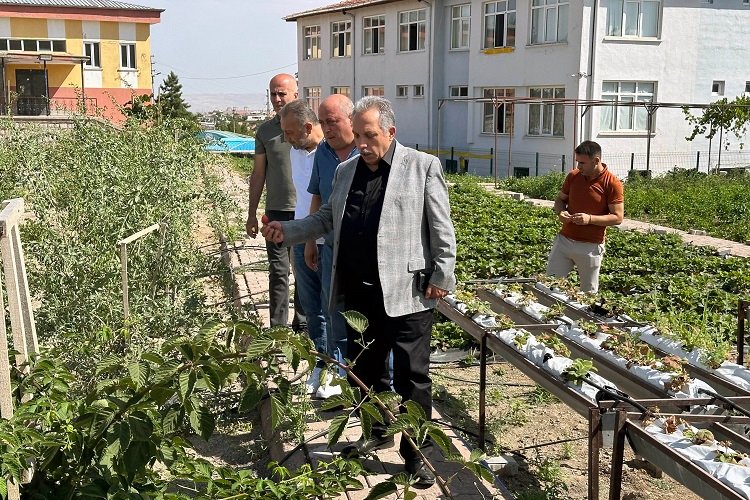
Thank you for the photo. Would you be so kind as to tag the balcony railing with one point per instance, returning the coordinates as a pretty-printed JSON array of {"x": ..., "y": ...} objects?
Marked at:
[{"x": 56, "y": 106}]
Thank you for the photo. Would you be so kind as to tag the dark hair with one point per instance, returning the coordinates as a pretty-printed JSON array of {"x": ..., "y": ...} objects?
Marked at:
[{"x": 589, "y": 148}]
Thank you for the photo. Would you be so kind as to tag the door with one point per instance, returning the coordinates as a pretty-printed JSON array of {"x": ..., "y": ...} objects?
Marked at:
[{"x": 31, "y": 86}]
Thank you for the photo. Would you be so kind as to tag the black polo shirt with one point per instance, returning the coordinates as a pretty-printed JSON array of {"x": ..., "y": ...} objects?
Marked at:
[{"x": 358, "y": 240}]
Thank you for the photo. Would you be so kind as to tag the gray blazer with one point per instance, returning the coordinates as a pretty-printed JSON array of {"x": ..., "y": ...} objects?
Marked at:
[{"x": 415, "y": 231}]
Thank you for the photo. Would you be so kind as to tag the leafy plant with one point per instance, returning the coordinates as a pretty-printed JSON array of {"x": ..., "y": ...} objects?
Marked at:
[
  {"x": 578, "y": 371},
  {"x": 589, "y": 328},
  {"x": 699, "y": 436},
  {"x": 555, "y": 343},
  {"x": 521, "y": 338},
  {"x": 554, "y": 311},
  {"x": 728, "y": 456}
]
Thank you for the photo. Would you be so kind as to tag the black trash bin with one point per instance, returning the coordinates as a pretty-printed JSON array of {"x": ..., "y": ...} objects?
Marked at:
[
  {"x": 451, "y": 166},
  {"x": 520, "y": 171}
]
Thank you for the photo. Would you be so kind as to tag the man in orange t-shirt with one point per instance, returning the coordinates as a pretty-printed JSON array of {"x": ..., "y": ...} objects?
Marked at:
[{"x": 591, "y": 199}]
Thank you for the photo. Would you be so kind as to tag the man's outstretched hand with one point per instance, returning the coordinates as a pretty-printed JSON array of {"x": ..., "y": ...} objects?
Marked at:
[
  {"x": 434, "y": 292},
  {"x": 272, "y": 231}
]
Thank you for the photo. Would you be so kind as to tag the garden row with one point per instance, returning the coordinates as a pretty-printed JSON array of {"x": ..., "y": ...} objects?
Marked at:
[
  {"x": 630, "y": 350},
  {"x": 650, "y": 277},
  {"x": 717, "y": 204}
]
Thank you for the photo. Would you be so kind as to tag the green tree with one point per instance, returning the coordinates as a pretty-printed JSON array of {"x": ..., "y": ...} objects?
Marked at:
[
  {"x": 731, "y": 116},
  {"x": 171, "y": 103}
]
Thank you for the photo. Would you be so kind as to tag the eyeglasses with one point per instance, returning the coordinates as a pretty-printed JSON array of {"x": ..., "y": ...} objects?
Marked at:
[{"x": 279, "y": 94}]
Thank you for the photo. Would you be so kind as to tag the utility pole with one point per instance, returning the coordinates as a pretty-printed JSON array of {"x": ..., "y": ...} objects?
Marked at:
[
  {"x": 268, "y": 104},
  {"x": 153, "y": 76}
]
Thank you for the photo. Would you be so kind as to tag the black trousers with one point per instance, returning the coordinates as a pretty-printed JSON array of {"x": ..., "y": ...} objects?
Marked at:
[
  {"x": 278, "y": 278},
  {"x": 407, "y": 336}
]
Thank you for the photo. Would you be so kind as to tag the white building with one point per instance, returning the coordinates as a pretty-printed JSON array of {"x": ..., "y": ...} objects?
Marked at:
[{"x": 418, "y": 52}]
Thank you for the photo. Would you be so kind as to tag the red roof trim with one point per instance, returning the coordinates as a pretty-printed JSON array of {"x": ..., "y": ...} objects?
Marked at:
[
  {"x": 150, "y": 16},
  {"x": 340, "y": 6}
]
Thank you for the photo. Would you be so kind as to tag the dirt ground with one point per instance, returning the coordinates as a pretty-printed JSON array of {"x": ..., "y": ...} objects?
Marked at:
[{"x": 523, "y": 420}]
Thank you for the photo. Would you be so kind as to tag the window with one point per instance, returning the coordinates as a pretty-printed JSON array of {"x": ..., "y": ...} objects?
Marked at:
[
  {"x": 374, "y": 35},
  {"x": 460, "y": 26},
  {"x": 127, "y": 55},
  {"x": 458, "y": 91},
  {"x": 500, "y": 24},
  {"x": 312, "y": 43},
  {"x": 15, "y": 44},
  {"x": 341, "y": 39},
  {"x": 312, "y": 96},
  {"x": 412, "y": 29},
  {"x": 45, "y": 45},
  {"x": 547, "y": 118},
  {"x": 549, "y": 21},
  {"x": 626, "y": 118},
  {"x": 636, "y": 18},
  {"x": 747, "y": 84},
  {"x": 91, "y": 50},
  {"x": 402, "y": 91},
  {"x": 341, "y": 90},
  {"x": 59, "y": 46},
  {"x": 376, "y": 90},
  {"x": 717, "y": 87},
  {"x": 497, "y": 119},
  {"x": 419, "y": 90}
]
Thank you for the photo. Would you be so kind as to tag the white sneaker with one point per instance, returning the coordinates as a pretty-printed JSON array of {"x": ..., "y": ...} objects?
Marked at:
[
  {"x": 313, "y": 381},
  {"x": 326, "y": 390}
]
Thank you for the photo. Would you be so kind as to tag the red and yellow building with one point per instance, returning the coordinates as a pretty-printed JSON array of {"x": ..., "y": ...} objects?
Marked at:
[{"x": 59, "y": 55}]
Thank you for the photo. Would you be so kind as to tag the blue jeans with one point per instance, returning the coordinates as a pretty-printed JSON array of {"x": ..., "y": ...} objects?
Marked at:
[
  {"x": 334, "y": 321},
  {"x": 308, "y": 286}
]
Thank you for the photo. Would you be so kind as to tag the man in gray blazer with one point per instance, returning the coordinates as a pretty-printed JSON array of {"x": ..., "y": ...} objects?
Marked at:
[{"x": 394, "y": 256}]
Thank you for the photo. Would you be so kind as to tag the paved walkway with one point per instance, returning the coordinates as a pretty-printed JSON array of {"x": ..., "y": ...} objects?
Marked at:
[{"x": 723, "y": 247}]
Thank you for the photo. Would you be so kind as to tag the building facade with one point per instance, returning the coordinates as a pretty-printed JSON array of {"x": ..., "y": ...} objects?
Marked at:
[
  {"x": 547, "y": 70},
  {"x": 62, "y": 55}
]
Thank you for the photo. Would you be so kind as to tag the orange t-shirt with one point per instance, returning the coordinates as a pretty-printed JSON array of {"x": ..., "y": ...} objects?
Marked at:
[{"x": 590, "y": 196}]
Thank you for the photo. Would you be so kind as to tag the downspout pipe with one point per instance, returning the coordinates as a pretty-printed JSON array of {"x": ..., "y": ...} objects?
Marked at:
[
  {"x": 590, "y": 69},
  {"x": 354, "y": 54},
  {"x": 430, "y": 79}
]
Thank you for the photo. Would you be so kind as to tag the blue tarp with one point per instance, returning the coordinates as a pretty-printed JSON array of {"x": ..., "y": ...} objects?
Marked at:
[{"x": 220, "y": 141}]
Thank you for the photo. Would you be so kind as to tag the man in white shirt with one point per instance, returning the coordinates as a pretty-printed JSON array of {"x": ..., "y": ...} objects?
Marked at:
[{"x": 303, "y": 131}]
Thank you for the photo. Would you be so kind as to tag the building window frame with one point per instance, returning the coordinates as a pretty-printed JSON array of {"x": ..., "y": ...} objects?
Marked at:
[
  {"x": 373, "y": 90},
  {"x": 402, "y": 91},
  {"x": 460, "y": 26},
  {"x": 92, "y": 49},
  {"x": 499, "y": 24},
  {"x": 418, "y": 90},
  {"x": 341, "y": 39},
  {"x": 312, "y": 97},
  {"x": 412, "y": 30},
  {"x": 347, "y": 91},
  {"x": 634, "y": 18},
  {"x": 33, "y": 45},
  {"x": 373, "y": 35},
  {"x": 458, "y": 91},
  {"x": 717, "y": 88},
  {"x": 490, "y": 113},
  {"x": 549, "y": 21},
  {"x": 127, "y": 56},
  {"x": 626, "y": 118},
  {"x": 546, "y": 119},
  {"x": 311, "y": 48}
]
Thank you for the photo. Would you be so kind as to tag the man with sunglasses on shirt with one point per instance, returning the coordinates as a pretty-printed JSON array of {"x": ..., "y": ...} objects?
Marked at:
[{"x": 274, "y": 171}]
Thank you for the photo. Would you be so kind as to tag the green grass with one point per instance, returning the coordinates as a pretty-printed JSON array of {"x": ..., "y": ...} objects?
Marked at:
[{"x": 717, "y": 204}]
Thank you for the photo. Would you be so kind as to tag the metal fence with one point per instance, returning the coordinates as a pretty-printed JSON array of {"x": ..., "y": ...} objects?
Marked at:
[{"x": 484, "y": 162}]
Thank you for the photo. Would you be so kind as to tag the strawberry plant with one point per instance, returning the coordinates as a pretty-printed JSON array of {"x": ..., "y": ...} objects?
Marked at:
[
  {"x": 553, "y": 342},
  {"x": 699, "y": 436}
]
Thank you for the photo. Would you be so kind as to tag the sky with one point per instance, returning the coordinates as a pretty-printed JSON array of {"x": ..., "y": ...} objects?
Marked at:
[{"x": 225, "y": 46}]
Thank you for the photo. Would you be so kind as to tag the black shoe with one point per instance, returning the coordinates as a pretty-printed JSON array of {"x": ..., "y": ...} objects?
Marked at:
[
  {"x": 364, "y": 446},
  {"x": 422, "y": 476}
]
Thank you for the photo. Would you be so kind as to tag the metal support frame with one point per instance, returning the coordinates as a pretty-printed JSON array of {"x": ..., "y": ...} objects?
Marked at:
[
  {"x": 620, "y": 419},
  {"x": 123, "y": 244},
  {"x": 19, "y": 305},
  {"x": 743, "y": 311}
]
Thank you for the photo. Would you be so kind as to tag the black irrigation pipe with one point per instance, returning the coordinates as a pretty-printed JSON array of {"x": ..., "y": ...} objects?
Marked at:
[
  {"x": 488, "y": 383},
  {"x": 518, "y": 451}
]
